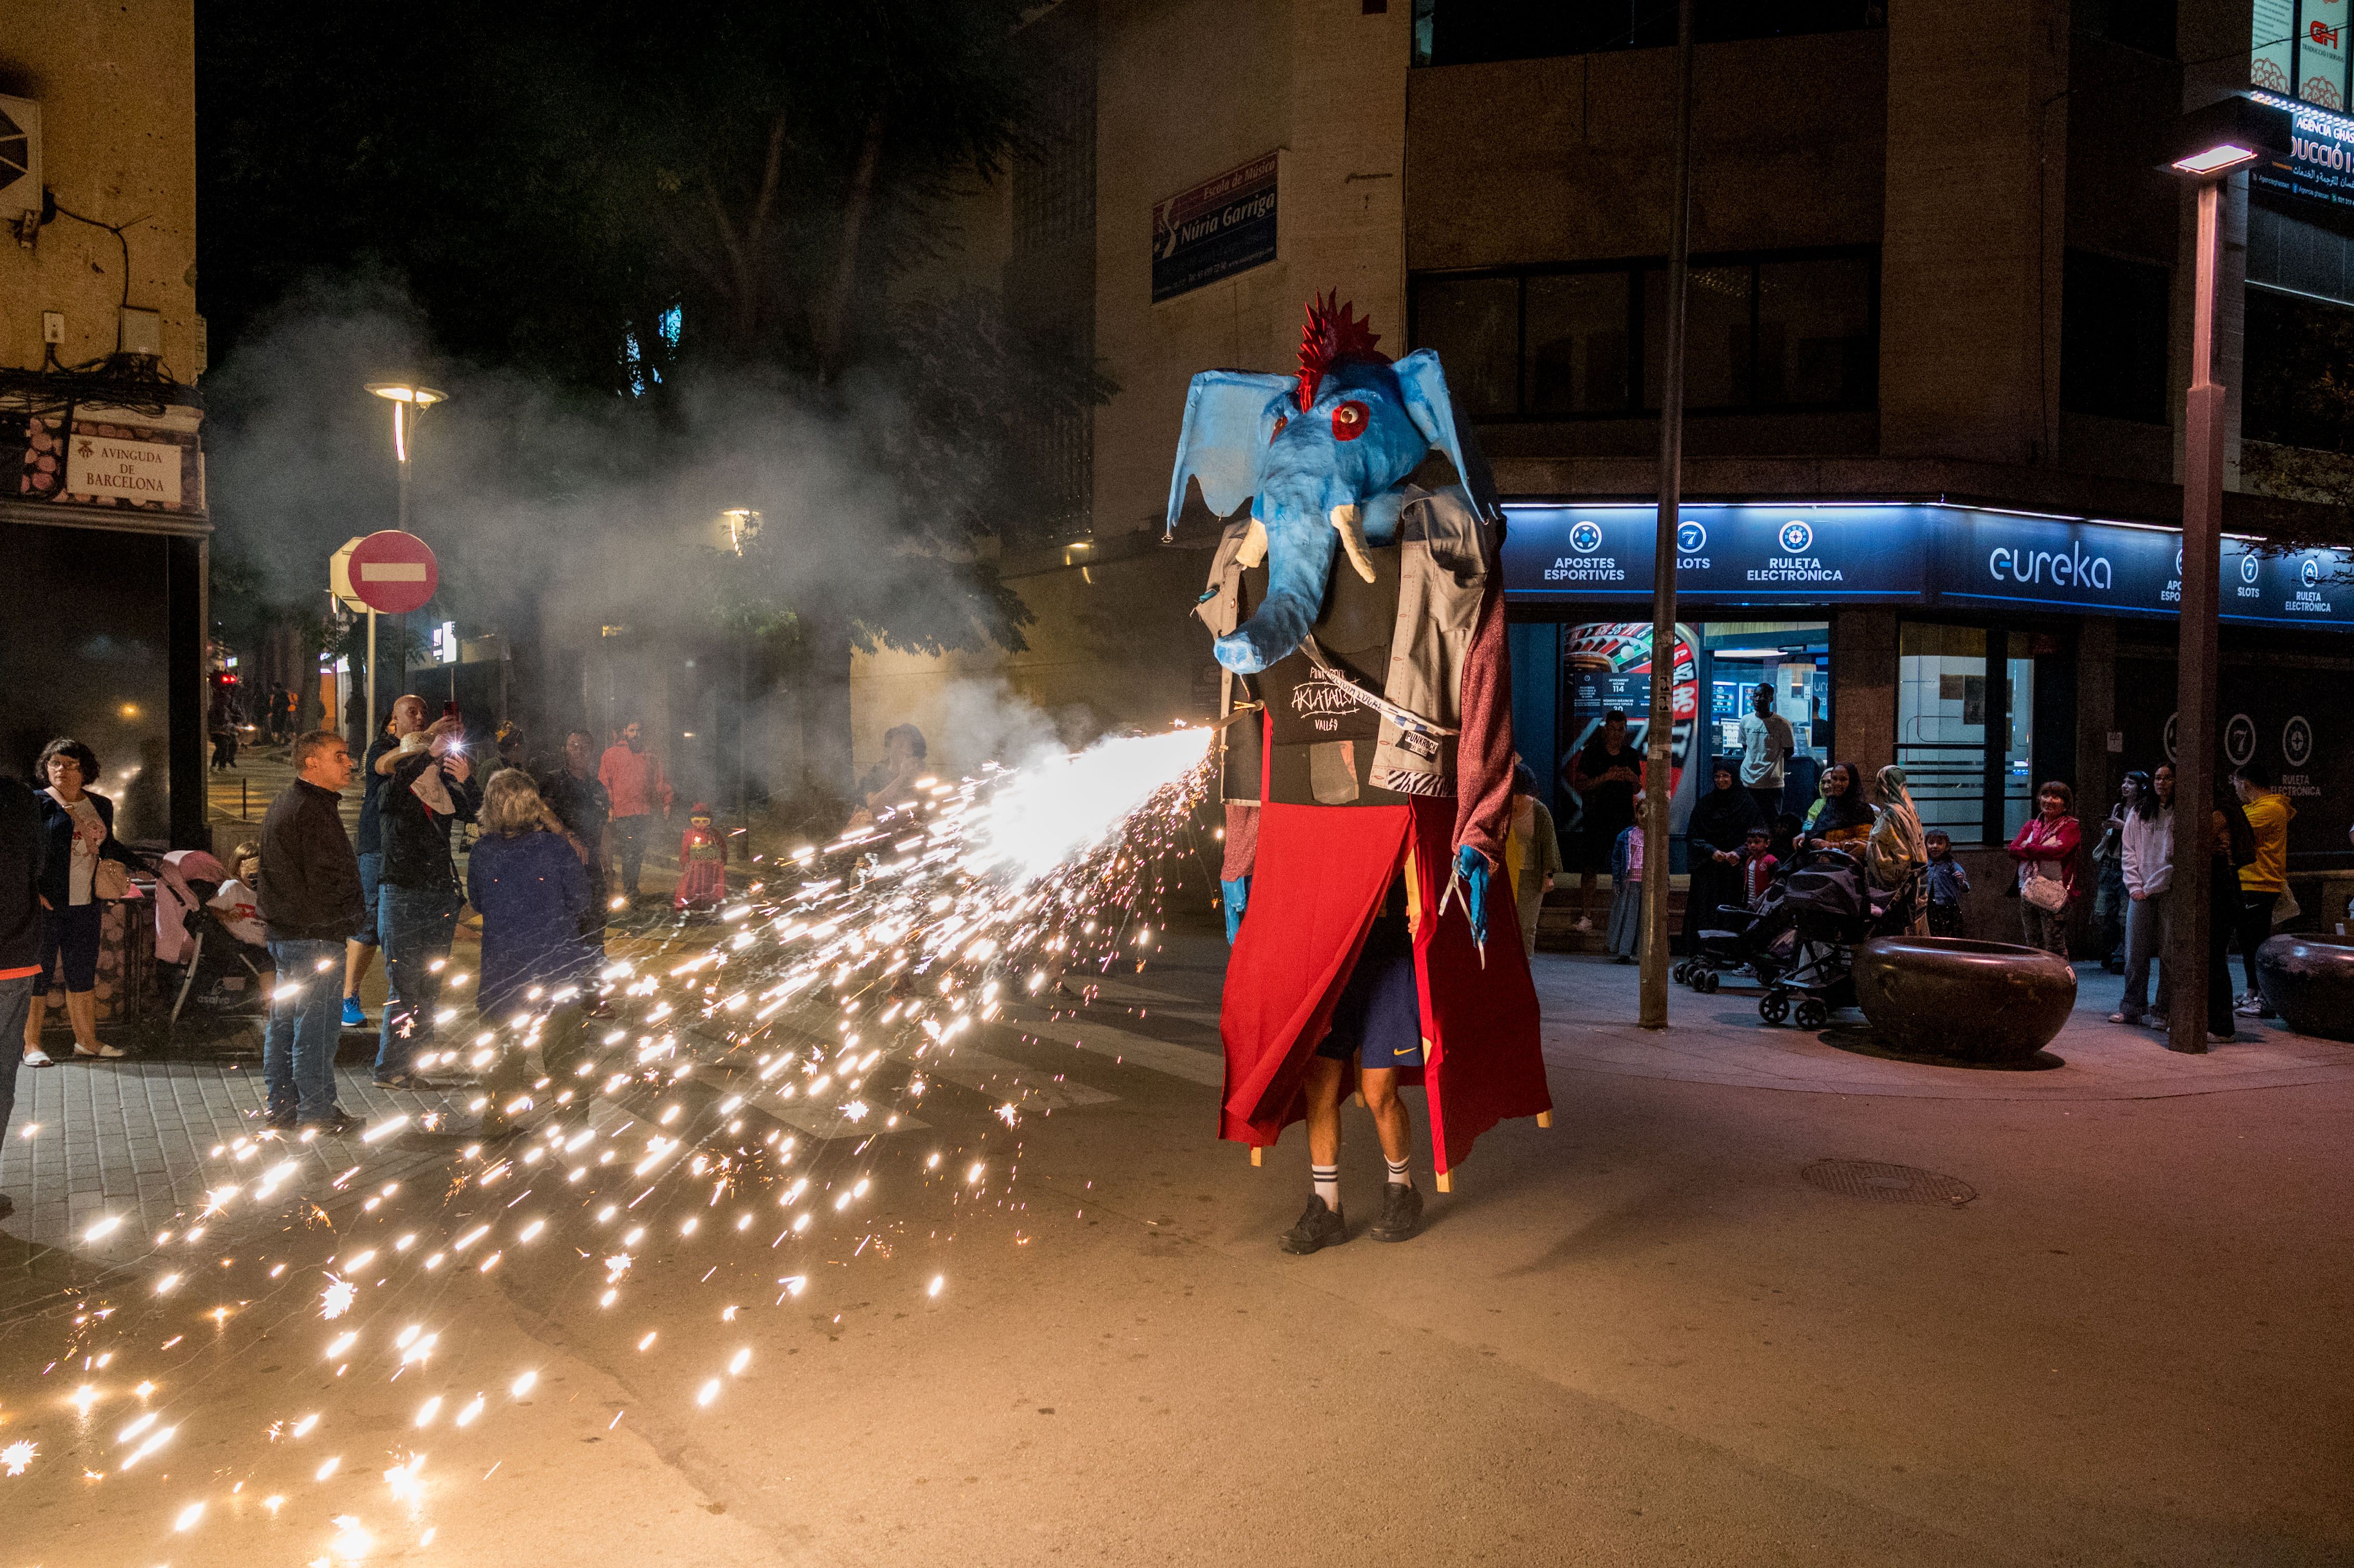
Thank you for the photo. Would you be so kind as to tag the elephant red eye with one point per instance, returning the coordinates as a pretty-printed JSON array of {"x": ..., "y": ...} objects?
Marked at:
[
  {"x": 1280, "y": 420},
  {"x": 1349, "y": 421}
]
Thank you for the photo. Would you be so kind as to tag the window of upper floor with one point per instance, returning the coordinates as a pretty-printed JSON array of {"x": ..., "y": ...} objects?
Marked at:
[
  {"x": 1471, "y": 32},
  {"x": 1769, "y": 331}
]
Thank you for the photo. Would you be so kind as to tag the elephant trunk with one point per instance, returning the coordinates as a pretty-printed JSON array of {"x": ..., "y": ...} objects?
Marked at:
[{"x": 1300, "y": 552}]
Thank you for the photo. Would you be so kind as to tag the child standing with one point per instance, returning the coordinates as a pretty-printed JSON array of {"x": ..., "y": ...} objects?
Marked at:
[
  {"x": 1757, "y": 863},
  {"x": 1624, "y": 936},
  {"x": 1948, "y": 882}
]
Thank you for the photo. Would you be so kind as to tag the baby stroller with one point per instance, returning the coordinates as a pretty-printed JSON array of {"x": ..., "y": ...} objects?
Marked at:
[
  {"x": 1806, "y": 953},
  {"x": 1735, "y": 938},
  {"x": 213, "y": 973}
]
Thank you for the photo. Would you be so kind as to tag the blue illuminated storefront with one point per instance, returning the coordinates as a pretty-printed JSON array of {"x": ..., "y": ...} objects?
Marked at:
[{"x": 1982, "y": 650}]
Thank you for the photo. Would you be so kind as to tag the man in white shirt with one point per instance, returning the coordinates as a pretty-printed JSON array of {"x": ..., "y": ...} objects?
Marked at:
[{"x": 1765, "y": 744}]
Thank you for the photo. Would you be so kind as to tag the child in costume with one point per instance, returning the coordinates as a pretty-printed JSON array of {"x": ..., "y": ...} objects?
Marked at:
[
  {"x": 702, "y": 864},
  {"x": 1368, "y": 782}
]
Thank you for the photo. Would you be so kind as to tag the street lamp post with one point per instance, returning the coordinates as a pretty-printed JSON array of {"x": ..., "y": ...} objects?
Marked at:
[
  {"x": 410, "y": 401},
  {"x": 1659, "y": 727},
  {"x": 2213, "y": 141}
]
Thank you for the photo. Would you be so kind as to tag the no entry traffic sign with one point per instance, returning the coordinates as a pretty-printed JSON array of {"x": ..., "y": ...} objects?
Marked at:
[{"x": 393, "y": 573}]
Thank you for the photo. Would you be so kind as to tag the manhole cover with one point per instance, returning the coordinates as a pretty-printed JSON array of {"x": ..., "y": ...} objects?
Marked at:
[{"x": 1884, "y": 1183}]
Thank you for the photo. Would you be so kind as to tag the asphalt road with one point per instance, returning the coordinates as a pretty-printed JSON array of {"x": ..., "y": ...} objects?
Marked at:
[{"x": 1639, "y": 1337}]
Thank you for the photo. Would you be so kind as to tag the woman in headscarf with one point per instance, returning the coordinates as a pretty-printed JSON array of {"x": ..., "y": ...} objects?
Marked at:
[
  {"x": 1896, "y": 850},
  {"x": 1840, "y": 817},
  {"x": 1720, "y": 825},
  {"x": 1531, "y": 853}
]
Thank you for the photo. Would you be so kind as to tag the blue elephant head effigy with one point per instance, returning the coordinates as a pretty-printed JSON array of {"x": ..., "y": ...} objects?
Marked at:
[{"x": 1323, "y": 459}]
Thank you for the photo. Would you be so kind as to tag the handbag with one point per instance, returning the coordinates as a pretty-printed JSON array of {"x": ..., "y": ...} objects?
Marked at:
[
  {"x": 2046, "y": 893},
  {"x": 110, "y": 880}
]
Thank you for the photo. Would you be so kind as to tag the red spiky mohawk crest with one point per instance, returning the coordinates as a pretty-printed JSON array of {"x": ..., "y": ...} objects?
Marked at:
[{"x": 1333, "y": 334}]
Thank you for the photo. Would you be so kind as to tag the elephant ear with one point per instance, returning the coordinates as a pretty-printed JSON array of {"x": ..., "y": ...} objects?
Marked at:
[
  {"x": 1433, "y": 412},
  {"x": 1229, "y": 418}
]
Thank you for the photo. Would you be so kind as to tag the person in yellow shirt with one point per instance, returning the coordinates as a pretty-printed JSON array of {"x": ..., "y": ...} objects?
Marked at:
[{"x": 2264, "y": 879}]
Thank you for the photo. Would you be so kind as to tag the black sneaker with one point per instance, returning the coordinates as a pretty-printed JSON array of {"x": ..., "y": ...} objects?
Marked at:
[
  {"x": 335, "y": 1123},
  {"x": 284, "y": 1121},
  {"x": 1401, "y": 1212},
  {"x": 403, "y": 1081},
  {"x": 1319, "y": 1227}
]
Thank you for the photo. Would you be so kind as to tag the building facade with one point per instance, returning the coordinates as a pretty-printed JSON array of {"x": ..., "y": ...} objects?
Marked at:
[
  {"x": 104, "y": 522},
  {"x": 1938, "y": 339}
]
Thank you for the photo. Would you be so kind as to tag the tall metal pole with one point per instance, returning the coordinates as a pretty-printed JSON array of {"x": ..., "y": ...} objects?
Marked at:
[
  {"x": 368, "y": 736},
  {"x": 1659, "y": 734},
  {"x": 2189, "y": 921}
]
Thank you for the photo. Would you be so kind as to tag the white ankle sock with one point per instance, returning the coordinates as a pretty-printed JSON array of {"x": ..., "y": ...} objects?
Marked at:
[
  {"x": 1328, "y": 1184},
  {"x": 1399, "y": 1175}
]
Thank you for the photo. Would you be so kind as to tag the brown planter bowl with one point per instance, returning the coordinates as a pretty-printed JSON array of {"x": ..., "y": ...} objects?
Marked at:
[
  {"x": 2309, "y": 981},
  {"x": 1975, "y": 1001}
]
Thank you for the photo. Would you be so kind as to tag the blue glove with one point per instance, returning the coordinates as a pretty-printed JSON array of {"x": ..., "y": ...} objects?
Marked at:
[
  {"x": 1235, "y": 893},
  {"x": 1474, "y": 867}
]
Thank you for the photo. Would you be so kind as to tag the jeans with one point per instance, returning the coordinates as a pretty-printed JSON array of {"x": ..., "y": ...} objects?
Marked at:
[
  {"x": 2046, "y": 928},
  {"x": 298, "y": 1044},
  {"x": 16, "y": 1003},
  {"x": 629, "y": 838},
  {"x": 69, "y": 941},
  {"x": 371, "y": 870},
  {"x": 2144, "y": 941},
  {"x": 414, "y": 927}
]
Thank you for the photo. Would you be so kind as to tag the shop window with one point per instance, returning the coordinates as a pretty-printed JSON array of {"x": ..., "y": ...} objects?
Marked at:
[
  {"x": 2112, "y": 330},
  {"x": 2297, "y": 392},
  {"x": 2300, "y": 46},
  {"x": 1957, "y": 686},
  {"x": 1794, "y": 657}
]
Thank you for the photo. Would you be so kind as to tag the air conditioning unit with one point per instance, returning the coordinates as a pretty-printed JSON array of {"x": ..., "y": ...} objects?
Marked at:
[{"x": 20, "y": 161}]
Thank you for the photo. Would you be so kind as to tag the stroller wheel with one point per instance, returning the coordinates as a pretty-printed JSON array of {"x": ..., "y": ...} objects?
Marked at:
[
  {"x": 1710, "y": 981},
  {"x": 1813, "y": 1014},
  {"x": 1774, "y": 1006},
  {"x": 1681, "y": 973}
]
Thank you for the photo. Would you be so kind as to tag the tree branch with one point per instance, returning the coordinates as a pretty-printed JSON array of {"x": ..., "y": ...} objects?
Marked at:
[{"x": 853, "y": 219}]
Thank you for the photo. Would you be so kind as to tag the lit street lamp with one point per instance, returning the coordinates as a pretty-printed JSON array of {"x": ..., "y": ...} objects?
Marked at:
[
  {"x": 409, "y": 402},
  {"x": 2211, "y": 144}
]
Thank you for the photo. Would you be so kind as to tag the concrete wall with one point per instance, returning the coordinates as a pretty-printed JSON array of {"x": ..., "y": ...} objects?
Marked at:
[
  {"x": 1186, "y": 92},
  {"x": 117, "y": 90},
  {"x": 1969, "y": 349}
]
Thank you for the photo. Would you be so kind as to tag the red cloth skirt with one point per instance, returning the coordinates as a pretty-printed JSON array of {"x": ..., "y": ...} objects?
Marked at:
[{"x": 1319, "y": 879}]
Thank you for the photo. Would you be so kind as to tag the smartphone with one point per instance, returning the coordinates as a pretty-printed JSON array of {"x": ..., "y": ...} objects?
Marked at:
[{"x": 450, "y": 709}]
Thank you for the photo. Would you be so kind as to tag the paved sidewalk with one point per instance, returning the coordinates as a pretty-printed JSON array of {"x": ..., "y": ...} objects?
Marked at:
[{"x": 1590, "y": 1004}]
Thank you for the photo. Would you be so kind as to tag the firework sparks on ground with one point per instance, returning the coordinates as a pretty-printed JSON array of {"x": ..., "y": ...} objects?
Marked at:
[{"x": 714, "y": 1112}]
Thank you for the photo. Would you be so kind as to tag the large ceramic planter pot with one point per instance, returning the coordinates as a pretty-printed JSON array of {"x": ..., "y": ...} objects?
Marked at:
[
  {"x": 2310, "y": 980},
  {"x": 1949, "y": 996}
]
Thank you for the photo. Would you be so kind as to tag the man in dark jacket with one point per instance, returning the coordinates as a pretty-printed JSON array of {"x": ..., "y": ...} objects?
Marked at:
[
  {"x": 408, "y": 716},
  {"x": 309, "y": 901},
  {"x": 428, "y": 786},
  {"x": 22, "y": 847},
  {"x": 582, "y": 805}
]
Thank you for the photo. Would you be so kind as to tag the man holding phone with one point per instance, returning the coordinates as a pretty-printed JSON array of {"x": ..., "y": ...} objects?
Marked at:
[{"x": 427, "y": 784}]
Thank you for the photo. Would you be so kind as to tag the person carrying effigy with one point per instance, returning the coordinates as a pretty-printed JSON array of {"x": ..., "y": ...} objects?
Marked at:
[{"x": 1366, "y": 764}]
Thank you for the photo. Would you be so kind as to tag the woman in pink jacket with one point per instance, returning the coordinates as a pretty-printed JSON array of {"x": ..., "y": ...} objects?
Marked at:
[{"x": 2045, "y": 850}]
